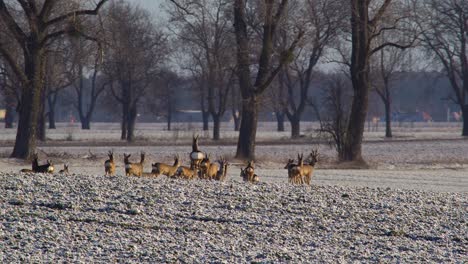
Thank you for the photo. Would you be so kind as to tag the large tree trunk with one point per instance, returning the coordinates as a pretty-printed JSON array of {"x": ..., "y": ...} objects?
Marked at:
[
  {"x": 357, "y": 119},
  {"x": 360, "y": 80},
  {"x": 216, "y": 126},
  {"x": 248, "y": 129},
  {"x": 279, "y": 121},
  {"x": 124, "y": 125},
  {"x": 51, "y": 116},
  {"x": 388, "y": 119},
  {"x": 465, "y": 120},
  {"x": 169, "y": 121},
  {"x": 295, "y": 127},
  {"x": 25, "y": 143},
  {"x": 85, "y": 122},
  {"x": 131, "y": 123},
  {"x": 205, "y": 118}
]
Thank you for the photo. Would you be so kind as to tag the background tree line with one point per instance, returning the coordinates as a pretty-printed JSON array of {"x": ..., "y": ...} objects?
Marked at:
[{"x": 339, "y": 62}]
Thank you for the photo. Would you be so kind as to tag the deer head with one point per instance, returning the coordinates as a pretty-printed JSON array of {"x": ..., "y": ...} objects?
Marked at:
[
  {"x": 126, "y": 158},
  {"x": 314, "y": 156},
  {"x": 290, "y": 162},
  {"x": 300, "y": 159},
  {"x": 176, "y": 160},
  {"x": 195, "y": 144},
  {"x": 111, "y": 155}
]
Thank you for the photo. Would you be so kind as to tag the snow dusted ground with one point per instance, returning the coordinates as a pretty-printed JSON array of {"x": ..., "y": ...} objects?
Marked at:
[
  {"x": 87, "y": 219},
  {"x": 431, "y": 157},
  {"x": 410, "y": 206}
]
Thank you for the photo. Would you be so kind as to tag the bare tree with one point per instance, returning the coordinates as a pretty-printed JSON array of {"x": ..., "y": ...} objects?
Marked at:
[
  {"x": 367, "y": 24},
  {"x": 325, "y": 19},
  {"x": 335, "y": 106},
  {"x": 87, "y": 54},
  {"x": 56, "y": 80},
  {"x": 444, "y": 24},
  {"x": 134, "y": 53},
  {"x": 266, "y": 73},
  {"x": 385, "y": 67},
  {"x": 207, "y": 28},
  {"x": 161, "y": 98},
  {"x": 44, "y": 22}
]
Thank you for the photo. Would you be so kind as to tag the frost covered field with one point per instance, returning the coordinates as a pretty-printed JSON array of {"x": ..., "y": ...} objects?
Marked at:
[{"x": 410, "y": 206}]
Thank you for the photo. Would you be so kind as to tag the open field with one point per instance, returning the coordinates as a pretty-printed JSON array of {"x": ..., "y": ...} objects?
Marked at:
[
  {"x": 410, "y": 206},
  {"x": 425, "y": 156}
]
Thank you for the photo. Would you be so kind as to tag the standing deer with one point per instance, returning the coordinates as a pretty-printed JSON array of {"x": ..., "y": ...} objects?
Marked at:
[
  {"x": 306, "y": 170},
  {"x": 314, "y": 155},
  {"x": 165, "y": 169},
  {"x": 221, "y": 174},
  {"x": 134, "y": 169},
  {"x": 294, "y": 173},
  {"x": 196, "y": 156},
  {"x": 109, "y": 165}
]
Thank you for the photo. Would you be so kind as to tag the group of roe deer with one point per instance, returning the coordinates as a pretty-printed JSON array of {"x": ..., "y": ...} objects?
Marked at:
[
  {"x": 200, "y": 167},
  {"x": 48, "y": 167}
]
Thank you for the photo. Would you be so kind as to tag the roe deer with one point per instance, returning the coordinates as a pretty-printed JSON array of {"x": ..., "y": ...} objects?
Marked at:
[
  {"x": 109, "y": 165},
  {"x": 248, "y": 174},
  {"x": 208, "y": 170},
  {"x": 294, "y": 173},
  {"x": 309, "y": 168},
  {"x": 196, "y": 156},
  {"x": 185, "y": 172},
  {"x": 65, "y": 169},
  {"x": 221, "y": 173},
  {"x": 165, "y": 169},
  {"x": 204, "y": 166},
  {"x": 46, "y": 168},
  {"x": 134, "y": 169},
  {"x": 305, "y": 170}
]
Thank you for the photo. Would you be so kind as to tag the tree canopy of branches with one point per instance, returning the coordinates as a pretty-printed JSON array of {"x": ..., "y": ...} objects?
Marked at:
[
  {"x": 33, "y": 25},
  {"x": 324, "y": 21},
  {"x": 444, "y": 24},
  {"x": 134, "y": 52},
  {"x": 206, "y": 29}
]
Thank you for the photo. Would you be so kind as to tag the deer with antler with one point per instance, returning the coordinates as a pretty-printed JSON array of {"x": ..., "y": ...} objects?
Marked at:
[
  {"x": 165, "y": 169},
  {"x": 306, "y": 170},
  {"x": 221, "y": 173},
  {"x": 109, "y": 165},
  {"x": 134, "y": 169},
  {"x": 314, "y": 156},
  {"x": 294, "y": 172}
]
